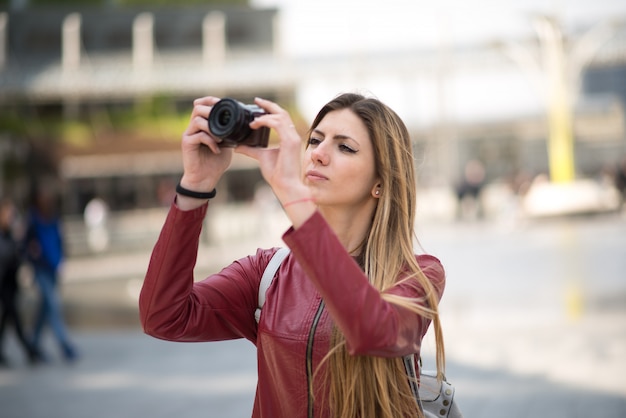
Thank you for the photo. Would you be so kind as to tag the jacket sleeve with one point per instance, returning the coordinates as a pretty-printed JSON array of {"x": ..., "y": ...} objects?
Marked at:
[
  {"x": 371, "y": 325},
  {"x": 172, "y": 306}
]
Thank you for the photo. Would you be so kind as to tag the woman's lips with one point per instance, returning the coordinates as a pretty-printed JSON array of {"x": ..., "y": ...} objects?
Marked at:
[{"x": 315, "y": 175}]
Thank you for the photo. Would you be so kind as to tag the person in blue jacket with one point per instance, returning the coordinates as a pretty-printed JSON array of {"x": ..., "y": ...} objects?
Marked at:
[{"x": 44, "y": 247}]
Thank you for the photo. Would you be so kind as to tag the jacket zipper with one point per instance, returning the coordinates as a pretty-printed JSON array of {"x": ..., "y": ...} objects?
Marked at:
[{"x": 309, "y": 357}]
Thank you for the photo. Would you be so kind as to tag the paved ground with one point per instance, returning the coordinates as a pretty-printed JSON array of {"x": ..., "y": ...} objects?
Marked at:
[
  {"x": 126, "y": 374},
  {"x": 534, "y": 316}
]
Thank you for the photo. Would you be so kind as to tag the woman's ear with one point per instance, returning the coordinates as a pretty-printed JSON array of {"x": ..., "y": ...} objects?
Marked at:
[{"x": 377, "y": 191}]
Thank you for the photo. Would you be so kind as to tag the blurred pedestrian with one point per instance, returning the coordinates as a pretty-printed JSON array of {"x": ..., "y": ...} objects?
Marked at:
[
  {"x": 10, "y": 261},
  {"x": 350, "y": 302},
  {"x": 468, "y": 191},
  {"x": 44, "y": 247}
]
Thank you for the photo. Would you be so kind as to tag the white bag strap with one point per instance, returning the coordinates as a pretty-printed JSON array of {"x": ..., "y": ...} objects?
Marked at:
[{"x": 268, "y": 277}]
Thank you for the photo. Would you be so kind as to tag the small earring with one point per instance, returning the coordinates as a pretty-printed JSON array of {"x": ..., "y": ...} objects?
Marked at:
[{"x": 377, "y": 192}]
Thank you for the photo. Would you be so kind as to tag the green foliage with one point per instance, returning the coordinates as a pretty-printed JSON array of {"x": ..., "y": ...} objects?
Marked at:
[
  {"x": 145, "y": 3},
  {"x": 35, "y": 3},
  {"x": 152, "y": 118},
  {"x": 10, "y": 122},
  {"x": 180, "y": 2}
]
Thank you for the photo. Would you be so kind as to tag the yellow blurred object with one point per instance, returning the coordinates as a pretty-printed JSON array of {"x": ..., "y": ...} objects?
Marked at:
[
  {"x": 560, "y": 142},
  {"x": 574, "y": 301}
]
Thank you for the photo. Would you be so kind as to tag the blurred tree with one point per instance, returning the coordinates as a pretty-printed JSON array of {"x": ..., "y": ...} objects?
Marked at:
[{"x": 178, "y": 2}]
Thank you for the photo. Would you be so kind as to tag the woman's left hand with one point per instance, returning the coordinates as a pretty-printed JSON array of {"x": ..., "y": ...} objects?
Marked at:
[{"x": 281, "y": 167}]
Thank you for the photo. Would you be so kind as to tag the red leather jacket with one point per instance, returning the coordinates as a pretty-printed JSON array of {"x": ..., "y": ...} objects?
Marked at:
[{"x": 318, "y": 282}]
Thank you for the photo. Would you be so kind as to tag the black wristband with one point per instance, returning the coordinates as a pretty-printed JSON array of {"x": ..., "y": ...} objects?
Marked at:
[{"x": 196, "y": 195}]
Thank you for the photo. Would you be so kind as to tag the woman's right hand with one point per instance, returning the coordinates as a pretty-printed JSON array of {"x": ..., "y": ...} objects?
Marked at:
[{"x": 204, "y": 161}]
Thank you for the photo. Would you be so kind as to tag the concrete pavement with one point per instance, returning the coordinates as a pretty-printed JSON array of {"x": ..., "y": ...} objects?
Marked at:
[{"x": 127, "y": 374}]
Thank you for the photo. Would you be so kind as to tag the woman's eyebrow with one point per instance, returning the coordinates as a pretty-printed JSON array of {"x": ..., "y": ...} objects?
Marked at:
[
  {"x": 339, "y": 136},
  {"x": 317, "y": 131}
]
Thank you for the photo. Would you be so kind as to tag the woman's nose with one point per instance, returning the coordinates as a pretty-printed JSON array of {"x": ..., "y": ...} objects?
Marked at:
[{"x": 319, "y": 154}]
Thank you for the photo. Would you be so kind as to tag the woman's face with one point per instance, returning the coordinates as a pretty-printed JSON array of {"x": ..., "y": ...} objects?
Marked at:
[{"x": 339, "y": 160}]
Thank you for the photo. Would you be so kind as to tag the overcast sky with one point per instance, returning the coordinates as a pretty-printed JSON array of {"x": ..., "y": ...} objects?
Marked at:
[{"x": 330, "y": 26}]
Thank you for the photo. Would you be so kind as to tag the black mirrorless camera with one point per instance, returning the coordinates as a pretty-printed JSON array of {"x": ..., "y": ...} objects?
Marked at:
[{"x": 229, "y": 120}]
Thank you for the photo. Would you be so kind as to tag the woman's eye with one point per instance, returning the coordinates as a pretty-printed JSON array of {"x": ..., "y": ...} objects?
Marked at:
[
  {"x": 345, "y": 148},
  {"x": 314, "y": 141}
]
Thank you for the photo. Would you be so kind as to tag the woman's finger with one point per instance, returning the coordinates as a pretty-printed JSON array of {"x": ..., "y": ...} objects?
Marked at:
[
  {"x": 201, "y": 137},
  {"x": 202, "y": 107},
  {"x": 196, "y": 124},
  {"x": 206, "y": 101}
]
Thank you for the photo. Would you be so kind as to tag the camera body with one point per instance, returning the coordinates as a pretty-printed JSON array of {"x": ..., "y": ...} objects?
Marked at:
[{"x": 229, "y": 120}]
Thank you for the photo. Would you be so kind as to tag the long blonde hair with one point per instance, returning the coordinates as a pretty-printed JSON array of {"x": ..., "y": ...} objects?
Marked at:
[{"x": 368, "y": 386}]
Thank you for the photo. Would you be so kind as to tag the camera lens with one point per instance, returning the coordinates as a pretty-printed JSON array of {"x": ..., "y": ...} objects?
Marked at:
[
  {"x": 229, "y": 120},
  {"x": 224, "y": 117}
]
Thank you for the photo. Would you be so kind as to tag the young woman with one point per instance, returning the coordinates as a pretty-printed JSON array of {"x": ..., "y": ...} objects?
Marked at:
[{"x": 349, "y": 301}]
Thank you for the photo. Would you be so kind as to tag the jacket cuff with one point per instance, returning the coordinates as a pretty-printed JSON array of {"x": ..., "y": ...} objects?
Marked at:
[
  {"x": 310, "y": 226},
  {"x": 188, "y": 215}
]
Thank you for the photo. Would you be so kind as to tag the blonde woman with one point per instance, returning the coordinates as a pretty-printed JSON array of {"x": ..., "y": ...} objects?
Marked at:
[{"x": 351, "y": 298}]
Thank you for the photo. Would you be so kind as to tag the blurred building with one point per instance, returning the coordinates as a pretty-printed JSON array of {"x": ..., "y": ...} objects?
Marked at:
[
  {"x": 73, "y": 63},
  {"x": 77, "y": 64}
]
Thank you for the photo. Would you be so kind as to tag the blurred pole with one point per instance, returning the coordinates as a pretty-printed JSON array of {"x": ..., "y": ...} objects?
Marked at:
[
  {"x": 214, "y": 39},
  {"x": 143, "y": 42},
  {"x": 277, "y": 41},
  {"x": 70, "y": 58},
  {"x": 4, "y": 19},
  {"x": 561, "y": 138},
  {"x": 71, "y": 42}
]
